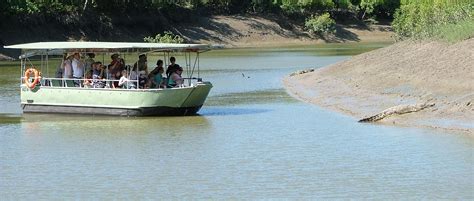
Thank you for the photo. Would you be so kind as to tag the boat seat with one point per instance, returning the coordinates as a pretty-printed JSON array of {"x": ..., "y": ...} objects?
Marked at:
[{"x": 55, "y": 83}]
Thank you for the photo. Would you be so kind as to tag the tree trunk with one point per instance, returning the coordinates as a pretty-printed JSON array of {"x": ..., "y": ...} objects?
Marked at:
[{"x": 85, "y": 5}]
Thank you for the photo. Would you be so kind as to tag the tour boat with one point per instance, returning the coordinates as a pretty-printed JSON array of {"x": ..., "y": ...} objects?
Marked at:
[{"x": 42, "y": 92}]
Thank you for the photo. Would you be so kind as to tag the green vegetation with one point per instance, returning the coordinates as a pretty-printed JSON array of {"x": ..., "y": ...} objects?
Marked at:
[
  {"x": 299, "y": 7},
  {"x": 411, "y": 18},
  {"x": 167, "y": 37},
  {"x": 450, "y": 20},
  {"x": 463, "y": 30},
  {"x": 320, "y": 24}
]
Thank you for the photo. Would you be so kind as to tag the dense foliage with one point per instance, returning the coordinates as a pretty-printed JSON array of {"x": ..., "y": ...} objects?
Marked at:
[
  {"x": 382, "y": 8},
  {"x": 320, "y": 24},
  {"x": 167, "y": 37},
  {"x": 447, "y": 19},
  {"x": 413, "y": 18}
]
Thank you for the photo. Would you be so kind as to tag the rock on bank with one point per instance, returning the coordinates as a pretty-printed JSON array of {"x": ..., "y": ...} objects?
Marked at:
[{"x": 404, "y": 73}]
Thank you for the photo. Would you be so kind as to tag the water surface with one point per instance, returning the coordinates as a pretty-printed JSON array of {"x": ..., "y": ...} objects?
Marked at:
[{"x": 250, "y": 141}]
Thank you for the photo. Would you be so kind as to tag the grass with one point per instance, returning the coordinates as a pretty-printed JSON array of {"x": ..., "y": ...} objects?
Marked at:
[
  {"x": 444, "y": 20},
  {"x": 455, "y": 32}
]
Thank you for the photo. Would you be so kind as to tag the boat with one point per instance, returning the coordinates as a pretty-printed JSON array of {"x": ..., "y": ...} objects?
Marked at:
[{"x": 43, "y": 92}]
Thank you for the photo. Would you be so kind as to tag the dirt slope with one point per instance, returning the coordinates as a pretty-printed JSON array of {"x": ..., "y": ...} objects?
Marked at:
[
  {"x": 403, "y": 73},
  {"x": 232, "y": 31},
  {"x": 256, "y": 31}
]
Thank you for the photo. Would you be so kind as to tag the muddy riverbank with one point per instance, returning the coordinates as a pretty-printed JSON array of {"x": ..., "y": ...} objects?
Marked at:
[{"x": 404, "y": 73}]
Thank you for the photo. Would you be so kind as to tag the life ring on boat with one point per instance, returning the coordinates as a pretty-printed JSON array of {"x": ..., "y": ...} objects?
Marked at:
[{"x": 36, "y": 80}]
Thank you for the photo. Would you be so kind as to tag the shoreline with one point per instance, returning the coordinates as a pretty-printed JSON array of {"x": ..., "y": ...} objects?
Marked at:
[
  {"x": 404, "y": 73},
  {"x": 233, "y": 31},
  {"x": 243, "y": 31}
]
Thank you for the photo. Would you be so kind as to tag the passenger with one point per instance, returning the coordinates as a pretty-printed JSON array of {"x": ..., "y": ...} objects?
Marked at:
[
  {"x": 133, "y": 75},
  {"x": 98, "y": 72},
  {"x": 59, "y": 70},
  {"x": 156, "y": 76},
  {"x": 77, "y": 69},
  {"x": 88, "y": 80},
  {"x": 175, "y": 79},
  {"x": 125, "y": 82},
  {"x": 89, "y": 61},
  {"x": 172, "y": 67},
  {"x": 115, "y": 68},
  {"x": 142, "y": 67},
  {"x": 67, "y": 67}
]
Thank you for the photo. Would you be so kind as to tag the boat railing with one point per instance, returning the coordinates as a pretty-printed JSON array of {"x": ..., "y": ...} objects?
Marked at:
[
  {"x": 79, "y": 82},
  {"x": 99, "y": 83}
]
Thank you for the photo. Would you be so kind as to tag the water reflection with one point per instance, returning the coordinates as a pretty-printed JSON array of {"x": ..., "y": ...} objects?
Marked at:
[
  {"x": 10, "y": 118},
  {"x": 228, "y": 111},
  {"x": 110, "y": 125}
]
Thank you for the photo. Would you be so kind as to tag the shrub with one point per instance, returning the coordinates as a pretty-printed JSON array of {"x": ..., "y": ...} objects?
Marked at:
[
  {"x": 464, "y": 30},
  {"x": 290, "y": 8},
  {"x": 367, "y": 6},
  {"x": 421, "y": 20},
  {"x": 321, "y": 24},
  {"x": 167, "y": 37}
]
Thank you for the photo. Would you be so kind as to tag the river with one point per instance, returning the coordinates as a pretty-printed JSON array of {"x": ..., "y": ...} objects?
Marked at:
[{"x": 250, "y": 141}]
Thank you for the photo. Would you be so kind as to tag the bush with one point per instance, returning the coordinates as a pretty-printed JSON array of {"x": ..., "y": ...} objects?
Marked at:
[
  {"x": 322, "y": 24},
  {"x": 424, "y": 20},
  {"x": 290, "y": 8},
  {"x": 314, "y": 5},
  {"x": 167, "y": 37},
  {"x": 464, "y": 30}
]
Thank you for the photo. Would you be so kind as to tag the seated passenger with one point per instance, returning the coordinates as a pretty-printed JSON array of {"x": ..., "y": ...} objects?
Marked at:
[
  {"x": 88, "y": 80},
  {"x": 175, "y": 79},
  {"x": 156, "y": 76},
  {"x": 125, "y": 82},
  {"x": 172, "y": 67},
  {"x": 98, "y": 72}
]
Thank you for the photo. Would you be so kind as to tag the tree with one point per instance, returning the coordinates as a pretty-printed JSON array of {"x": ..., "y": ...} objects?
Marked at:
[{"x": 367, "y": 6}]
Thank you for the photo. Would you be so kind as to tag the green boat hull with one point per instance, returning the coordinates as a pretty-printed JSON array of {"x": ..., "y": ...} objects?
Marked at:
[{"x": 123, "y": 102}]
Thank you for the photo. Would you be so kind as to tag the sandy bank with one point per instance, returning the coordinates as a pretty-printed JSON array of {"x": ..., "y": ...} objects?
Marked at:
[
  {"x": 404, "y": 73},
  {"x": 258, "y": 31}
]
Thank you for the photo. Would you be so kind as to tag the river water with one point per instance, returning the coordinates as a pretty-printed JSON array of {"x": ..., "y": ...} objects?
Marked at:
[{"x": 250, "y": 141}]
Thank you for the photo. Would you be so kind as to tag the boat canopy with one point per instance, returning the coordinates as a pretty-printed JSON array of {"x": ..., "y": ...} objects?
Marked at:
[
  {"x": 108, "y": 46},
  {"x": 54, "y": 48}
]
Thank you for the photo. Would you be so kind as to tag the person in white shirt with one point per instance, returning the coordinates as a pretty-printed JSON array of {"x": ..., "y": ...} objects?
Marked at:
[
  {"x": 124, "y": 82},
  {"x": 77, "y": 69},
  {"x": 77, "y": 66}
]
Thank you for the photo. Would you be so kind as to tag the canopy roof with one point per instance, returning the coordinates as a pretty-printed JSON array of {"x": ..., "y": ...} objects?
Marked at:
[
  {"x": 109, "y": 46},
  {"x": 58, "y": 48}
]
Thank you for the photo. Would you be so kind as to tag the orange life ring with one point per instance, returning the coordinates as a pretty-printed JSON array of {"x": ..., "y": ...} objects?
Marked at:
[{"x": 33, "y": 84}]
